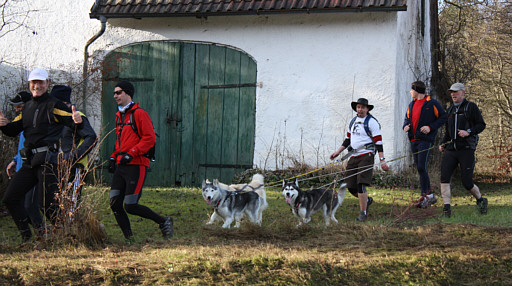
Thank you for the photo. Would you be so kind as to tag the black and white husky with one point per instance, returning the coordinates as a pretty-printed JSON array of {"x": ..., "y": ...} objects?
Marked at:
[
  {"x": 306, "y": 203},
  {"x": 230, "y": 203}
]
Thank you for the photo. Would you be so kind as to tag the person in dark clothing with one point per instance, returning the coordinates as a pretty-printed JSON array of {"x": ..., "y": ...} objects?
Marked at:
[
  {"x": 31, "y": 202},
  {"x": 423, "y": 118},
  {"x": 75, "y": 144},
  {"x": 42, "y": 121},
  {"x": 135, "y": 137},
  {"x": 464, "y": 123}
]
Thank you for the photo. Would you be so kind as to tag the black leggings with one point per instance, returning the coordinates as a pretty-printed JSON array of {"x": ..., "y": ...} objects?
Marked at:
[
  {"x": 452, "y": 158},
  {"x": 421, "y": 152},
  {"x": 126, "y": 188},
  {"x": 41, "y": 177}
]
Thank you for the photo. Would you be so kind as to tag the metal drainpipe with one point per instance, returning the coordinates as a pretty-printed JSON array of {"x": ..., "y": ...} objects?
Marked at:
[{"x": 86, "y": 62}]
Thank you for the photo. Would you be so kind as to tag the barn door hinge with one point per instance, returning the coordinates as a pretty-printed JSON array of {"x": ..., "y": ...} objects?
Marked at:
[
  {"x": 233, "y": 166},
  {"x": 229, "y": 85},
  {"x": 134, "y": 79}
]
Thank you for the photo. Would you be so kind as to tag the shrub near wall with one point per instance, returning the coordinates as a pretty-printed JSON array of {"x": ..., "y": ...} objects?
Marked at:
[{"x": 9, "y": 146}]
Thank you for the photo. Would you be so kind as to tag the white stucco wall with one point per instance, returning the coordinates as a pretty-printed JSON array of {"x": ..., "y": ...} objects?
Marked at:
[{"x": 310, "y": 66}]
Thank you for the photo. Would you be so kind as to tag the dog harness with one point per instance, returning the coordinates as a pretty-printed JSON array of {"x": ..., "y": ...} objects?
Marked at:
[{"x": 253, "y": 188}]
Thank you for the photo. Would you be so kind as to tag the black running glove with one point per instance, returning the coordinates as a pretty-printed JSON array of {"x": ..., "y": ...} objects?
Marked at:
[
  {"x": 127, "y": 158},
  {"x": 112, "y": 165}
]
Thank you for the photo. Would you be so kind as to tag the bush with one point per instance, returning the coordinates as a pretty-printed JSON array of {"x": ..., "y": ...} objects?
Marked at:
[{"x": 9, "y": 149}]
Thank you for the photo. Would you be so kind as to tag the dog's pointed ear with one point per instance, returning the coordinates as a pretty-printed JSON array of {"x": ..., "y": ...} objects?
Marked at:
[
  {"x": 296, "y": 182},
  {"x": 284, "y": 183},
  {"x": 216, "y": 182}
]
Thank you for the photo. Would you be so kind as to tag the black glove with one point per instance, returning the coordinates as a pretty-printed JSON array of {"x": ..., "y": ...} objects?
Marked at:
[
  {"x": 125, "y": 159},
  {"x": 70, "y": 157},
  {"x": 112, "y": 165}
]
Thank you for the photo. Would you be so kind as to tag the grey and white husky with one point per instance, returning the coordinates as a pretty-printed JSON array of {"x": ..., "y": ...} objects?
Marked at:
[
  {"x": 230, "y": 203},
  {"x": 306, "y": 203}
]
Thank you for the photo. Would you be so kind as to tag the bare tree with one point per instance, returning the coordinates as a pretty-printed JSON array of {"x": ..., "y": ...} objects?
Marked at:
[
  {"x": 475, "y": 39},
  {"x": 13, "y": 15}
]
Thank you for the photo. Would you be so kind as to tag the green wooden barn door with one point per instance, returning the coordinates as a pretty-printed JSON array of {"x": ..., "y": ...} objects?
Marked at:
[{"x": 201, "y": 98}]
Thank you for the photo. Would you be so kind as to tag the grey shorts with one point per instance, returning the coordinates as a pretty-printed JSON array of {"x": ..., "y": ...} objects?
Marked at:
[{"x": 356, "y": 165}]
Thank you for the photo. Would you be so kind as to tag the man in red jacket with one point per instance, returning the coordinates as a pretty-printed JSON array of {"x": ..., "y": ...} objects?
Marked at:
[
  {"x": 135, "y": 137},
  {"x": 423, "y": 118}
]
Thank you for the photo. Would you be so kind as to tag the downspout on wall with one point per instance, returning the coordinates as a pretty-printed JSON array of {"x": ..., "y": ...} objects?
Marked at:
[{"x": 86, "y": 62}]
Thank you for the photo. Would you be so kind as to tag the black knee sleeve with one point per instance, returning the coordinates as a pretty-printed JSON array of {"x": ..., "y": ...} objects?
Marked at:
[
  {"x": 116, "y": 203},
  {"x": 353, "y": 192},
  {"x": 131, "y": 208},
  {"x": 361, "y": 188}
]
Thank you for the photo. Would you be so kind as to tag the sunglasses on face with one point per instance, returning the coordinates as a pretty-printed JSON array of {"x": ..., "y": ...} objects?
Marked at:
[{"x": 118, "y": 92}]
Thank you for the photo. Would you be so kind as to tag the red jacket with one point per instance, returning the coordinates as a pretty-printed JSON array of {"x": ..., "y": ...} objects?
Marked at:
[{"x": 129, "y": 142}]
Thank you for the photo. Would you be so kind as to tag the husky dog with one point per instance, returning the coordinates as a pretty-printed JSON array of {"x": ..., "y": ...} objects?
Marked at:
[
  {"x": 231, "y": 202},
  {"x": 306, "y": 203}
]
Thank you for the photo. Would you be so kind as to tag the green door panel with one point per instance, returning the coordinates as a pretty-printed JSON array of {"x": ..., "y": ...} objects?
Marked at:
[{"x": 201, "y": 98}]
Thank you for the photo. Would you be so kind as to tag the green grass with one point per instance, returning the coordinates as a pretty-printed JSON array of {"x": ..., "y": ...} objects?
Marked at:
[{"x": 468, "y": 248}]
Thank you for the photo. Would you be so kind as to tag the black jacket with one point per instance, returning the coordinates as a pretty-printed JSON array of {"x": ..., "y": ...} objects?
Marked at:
[
  {"x": 432, "y": 115},
  {"x": 42, "y": 121},
  {"x": 466, "y": 116},
  {"x": 80, "y": 141}
]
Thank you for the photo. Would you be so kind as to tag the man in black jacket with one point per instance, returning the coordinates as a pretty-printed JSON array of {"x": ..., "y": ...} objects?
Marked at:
[
  {"x": 75, "y": 144},
  {"x": 464, "y": 123},
  {"x": 42, "y": 121},
  {"x": 423, "y": 118}
]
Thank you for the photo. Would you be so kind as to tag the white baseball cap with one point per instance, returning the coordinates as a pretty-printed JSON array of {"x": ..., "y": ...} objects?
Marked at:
[{"x": 38, "y": 74}]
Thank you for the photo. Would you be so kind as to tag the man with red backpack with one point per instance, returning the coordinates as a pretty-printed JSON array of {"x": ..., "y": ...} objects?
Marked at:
[{"x": 129, "y": 163}]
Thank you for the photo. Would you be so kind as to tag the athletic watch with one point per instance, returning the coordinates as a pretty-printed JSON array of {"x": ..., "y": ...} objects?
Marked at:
[
  {"x": 469, "y": 131},
  {"x": 382, "y": 158}
]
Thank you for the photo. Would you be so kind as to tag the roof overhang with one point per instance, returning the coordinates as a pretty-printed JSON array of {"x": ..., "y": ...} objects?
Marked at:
[{"x": 205, "y": 8}]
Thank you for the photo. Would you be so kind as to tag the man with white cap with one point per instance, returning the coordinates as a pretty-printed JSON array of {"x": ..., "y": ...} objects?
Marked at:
[
  {"x": 463, "y": 125},
  {"x": 42, "y": 121}
]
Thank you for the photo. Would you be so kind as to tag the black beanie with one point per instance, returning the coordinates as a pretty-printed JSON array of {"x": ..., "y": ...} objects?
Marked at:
[
  {"x": 419, "y": 86},
  {"x": 127, "y": 87},
  {"x": 62, "y": 93}
]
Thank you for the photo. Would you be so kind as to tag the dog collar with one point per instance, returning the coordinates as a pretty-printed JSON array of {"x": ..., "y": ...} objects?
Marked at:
[
  {"x": 217, "y": 205},
  {"x": 297, "y": 206}
]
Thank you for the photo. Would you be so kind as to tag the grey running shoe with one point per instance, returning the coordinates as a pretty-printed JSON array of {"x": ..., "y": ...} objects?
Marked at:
[
  {"x": 429, "y": 201},
  {"x": 447, "y": 211},
  {"x": 482, "y": 205},
  {"x": 421, "y": 201},
  {"x": 368, "y": 203},
  {"x": 362, "y": 216},
  {"x": 167, "y": 228}
]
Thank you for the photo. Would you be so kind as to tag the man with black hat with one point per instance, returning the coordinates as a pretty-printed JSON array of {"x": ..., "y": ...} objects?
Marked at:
[
  {"x": 423, "y": 118},
  {"x": 464, "y": 123},
  {"x": 363, "y": 140},
  {"x": 42, "y": 121},
  {"x": 75, "y": 145},
  {"x": 135, "y": 137}
]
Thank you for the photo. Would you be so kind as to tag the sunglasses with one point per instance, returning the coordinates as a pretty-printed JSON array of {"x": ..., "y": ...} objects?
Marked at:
[{"x": 118, "y": 92}]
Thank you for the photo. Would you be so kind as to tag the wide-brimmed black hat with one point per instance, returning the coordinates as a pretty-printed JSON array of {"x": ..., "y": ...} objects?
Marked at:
[
  {"x": 21, "y": 97},
  {"x": 361, "y": 101}
]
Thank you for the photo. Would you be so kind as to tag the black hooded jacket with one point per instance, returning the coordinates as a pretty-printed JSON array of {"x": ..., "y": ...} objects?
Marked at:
[
  {"x": 466, "y": 116},
  {"x": 42, "y": 121}
]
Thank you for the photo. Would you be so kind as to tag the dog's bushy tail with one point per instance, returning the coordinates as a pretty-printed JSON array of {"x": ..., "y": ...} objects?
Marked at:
[
  {"x": 341, "y": 193},
  {"x": 258, "y": 179}
]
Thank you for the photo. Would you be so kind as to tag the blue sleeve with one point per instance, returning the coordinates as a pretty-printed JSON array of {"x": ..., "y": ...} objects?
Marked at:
[
  {"x": 17, "y": 158},
  {"x": 407, "y": 120}
]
